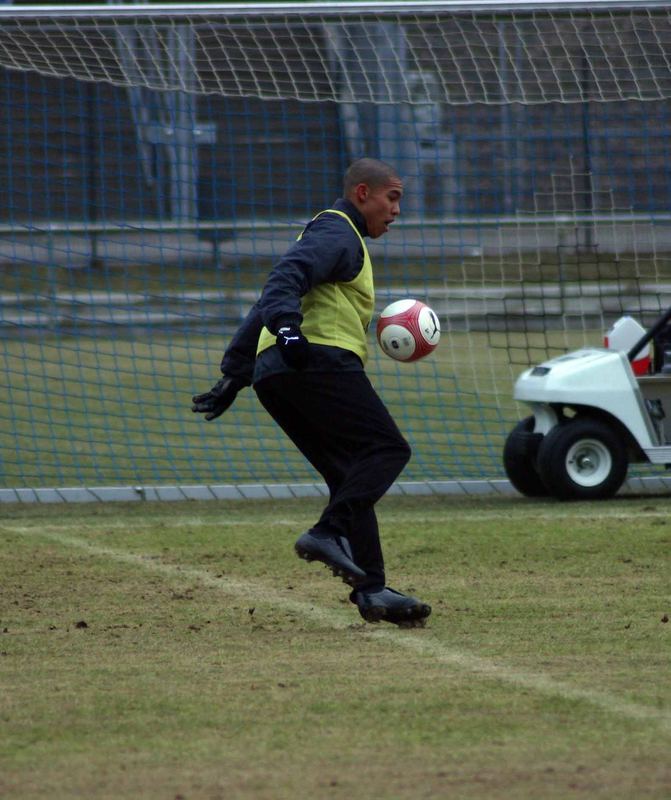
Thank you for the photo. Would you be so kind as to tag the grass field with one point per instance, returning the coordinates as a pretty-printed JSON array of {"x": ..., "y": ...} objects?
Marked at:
[
  {"x": 99, "y": 412},
  {"x": 182, "y": 651},
  {"x": 86, "y": 406},
  {"x": 187, "y": 271}
]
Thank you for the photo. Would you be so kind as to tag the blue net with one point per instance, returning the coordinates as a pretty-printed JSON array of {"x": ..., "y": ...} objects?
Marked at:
[{"x": 138, "y": 227}]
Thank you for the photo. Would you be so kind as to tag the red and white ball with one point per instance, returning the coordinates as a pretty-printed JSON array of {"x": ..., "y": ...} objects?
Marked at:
[{"x": 408, "y": 330}]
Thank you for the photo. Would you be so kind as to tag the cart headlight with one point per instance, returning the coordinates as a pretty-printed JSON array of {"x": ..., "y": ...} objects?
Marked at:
[{"x": 540, "y": 371}]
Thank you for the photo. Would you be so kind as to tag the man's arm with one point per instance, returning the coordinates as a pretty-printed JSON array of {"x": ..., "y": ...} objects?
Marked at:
[
  {"x": 237, "y": 367},
  {"x": 239, "y": 356},
  {"x": 328, "y": 251}
]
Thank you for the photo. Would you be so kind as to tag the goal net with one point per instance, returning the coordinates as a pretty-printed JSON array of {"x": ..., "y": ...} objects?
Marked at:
[{"x": 158, "y": 160}]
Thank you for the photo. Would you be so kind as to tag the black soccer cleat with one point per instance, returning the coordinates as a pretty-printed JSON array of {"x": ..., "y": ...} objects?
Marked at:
[
  {"x": 334, "y": 551},
  {"x": 377, "y": 604}
]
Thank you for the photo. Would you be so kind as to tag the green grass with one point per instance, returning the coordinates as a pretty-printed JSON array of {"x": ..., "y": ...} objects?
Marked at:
[
  {"x": 181, "y": 650},
  {"x": 188, "y": 271},
  {"x": 98, "y": 411},
  {"x": 94, "y": 410}
]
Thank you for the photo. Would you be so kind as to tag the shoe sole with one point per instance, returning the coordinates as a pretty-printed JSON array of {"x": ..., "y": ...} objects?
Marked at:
[
  {"x": 352, "y": 579},
  {"x": 414, "y": 617}
]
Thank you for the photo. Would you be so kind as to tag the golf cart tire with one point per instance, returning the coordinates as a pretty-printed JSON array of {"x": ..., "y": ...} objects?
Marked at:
[
  {"x": 583, "y": 459},
  {"x": 519, "y": 459}
]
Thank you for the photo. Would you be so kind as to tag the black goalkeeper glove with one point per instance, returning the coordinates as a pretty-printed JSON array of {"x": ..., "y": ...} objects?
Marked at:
[
  {"x": 294, "y": 347},
  {"x": 218, "y": 399}
]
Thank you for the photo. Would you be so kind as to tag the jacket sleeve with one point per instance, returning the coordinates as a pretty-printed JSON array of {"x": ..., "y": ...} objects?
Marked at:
[
  {"x": 240, "y": 355},
  {"x": 328, "y": 251}
]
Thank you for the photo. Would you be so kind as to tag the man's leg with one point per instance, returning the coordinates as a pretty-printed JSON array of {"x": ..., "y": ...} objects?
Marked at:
[
  {"x": 344, "y": 430},
  {"x": 342, "y": 427}
]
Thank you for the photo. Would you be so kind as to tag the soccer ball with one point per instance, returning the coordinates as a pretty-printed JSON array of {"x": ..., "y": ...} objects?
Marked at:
[{"x": 408, "y": 330}]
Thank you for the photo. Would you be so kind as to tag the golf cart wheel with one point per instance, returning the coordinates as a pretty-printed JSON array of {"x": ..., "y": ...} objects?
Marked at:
[
  {"x": 519, "y": 459},
  {"x": 583, "y": 459}
]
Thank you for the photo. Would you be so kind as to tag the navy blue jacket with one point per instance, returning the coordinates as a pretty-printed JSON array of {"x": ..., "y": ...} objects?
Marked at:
[{"x": 329, "y": 251}]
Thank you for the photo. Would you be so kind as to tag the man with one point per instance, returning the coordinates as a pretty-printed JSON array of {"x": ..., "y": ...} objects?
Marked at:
[{"x": 303, "y": 346}]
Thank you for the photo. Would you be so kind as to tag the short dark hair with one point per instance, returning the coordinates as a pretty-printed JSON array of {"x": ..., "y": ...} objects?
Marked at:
[{"x": 370, "y": 171}]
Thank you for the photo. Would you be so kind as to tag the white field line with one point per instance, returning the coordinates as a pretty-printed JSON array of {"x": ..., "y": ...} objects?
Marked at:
[{"x": 414, "y": 641}]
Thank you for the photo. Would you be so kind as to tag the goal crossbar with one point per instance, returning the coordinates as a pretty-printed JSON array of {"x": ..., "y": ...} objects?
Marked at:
[{"x": 327, "y": 10}]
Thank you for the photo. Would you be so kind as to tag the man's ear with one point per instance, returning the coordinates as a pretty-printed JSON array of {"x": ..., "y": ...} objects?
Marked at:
[{"x": 361, "y": 192}]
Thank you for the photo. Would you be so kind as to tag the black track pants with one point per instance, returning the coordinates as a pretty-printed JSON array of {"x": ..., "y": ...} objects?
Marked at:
[{"x": 344, "y": 430}]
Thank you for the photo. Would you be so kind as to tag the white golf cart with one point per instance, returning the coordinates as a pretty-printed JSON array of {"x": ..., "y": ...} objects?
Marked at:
[{"x": 592, "y": 416}]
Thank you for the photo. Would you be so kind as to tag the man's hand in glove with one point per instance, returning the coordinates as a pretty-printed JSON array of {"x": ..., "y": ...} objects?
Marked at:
[
  {"x": 218, "y": 399},
  {"x": 294, "y": 347}
]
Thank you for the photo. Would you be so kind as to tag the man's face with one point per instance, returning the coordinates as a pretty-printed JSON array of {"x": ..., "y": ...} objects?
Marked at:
[{"x": 380, "y": 205}]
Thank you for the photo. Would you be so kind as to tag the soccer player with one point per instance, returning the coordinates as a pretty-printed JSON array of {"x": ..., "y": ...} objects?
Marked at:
[{"x": 303, "y": 347}]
